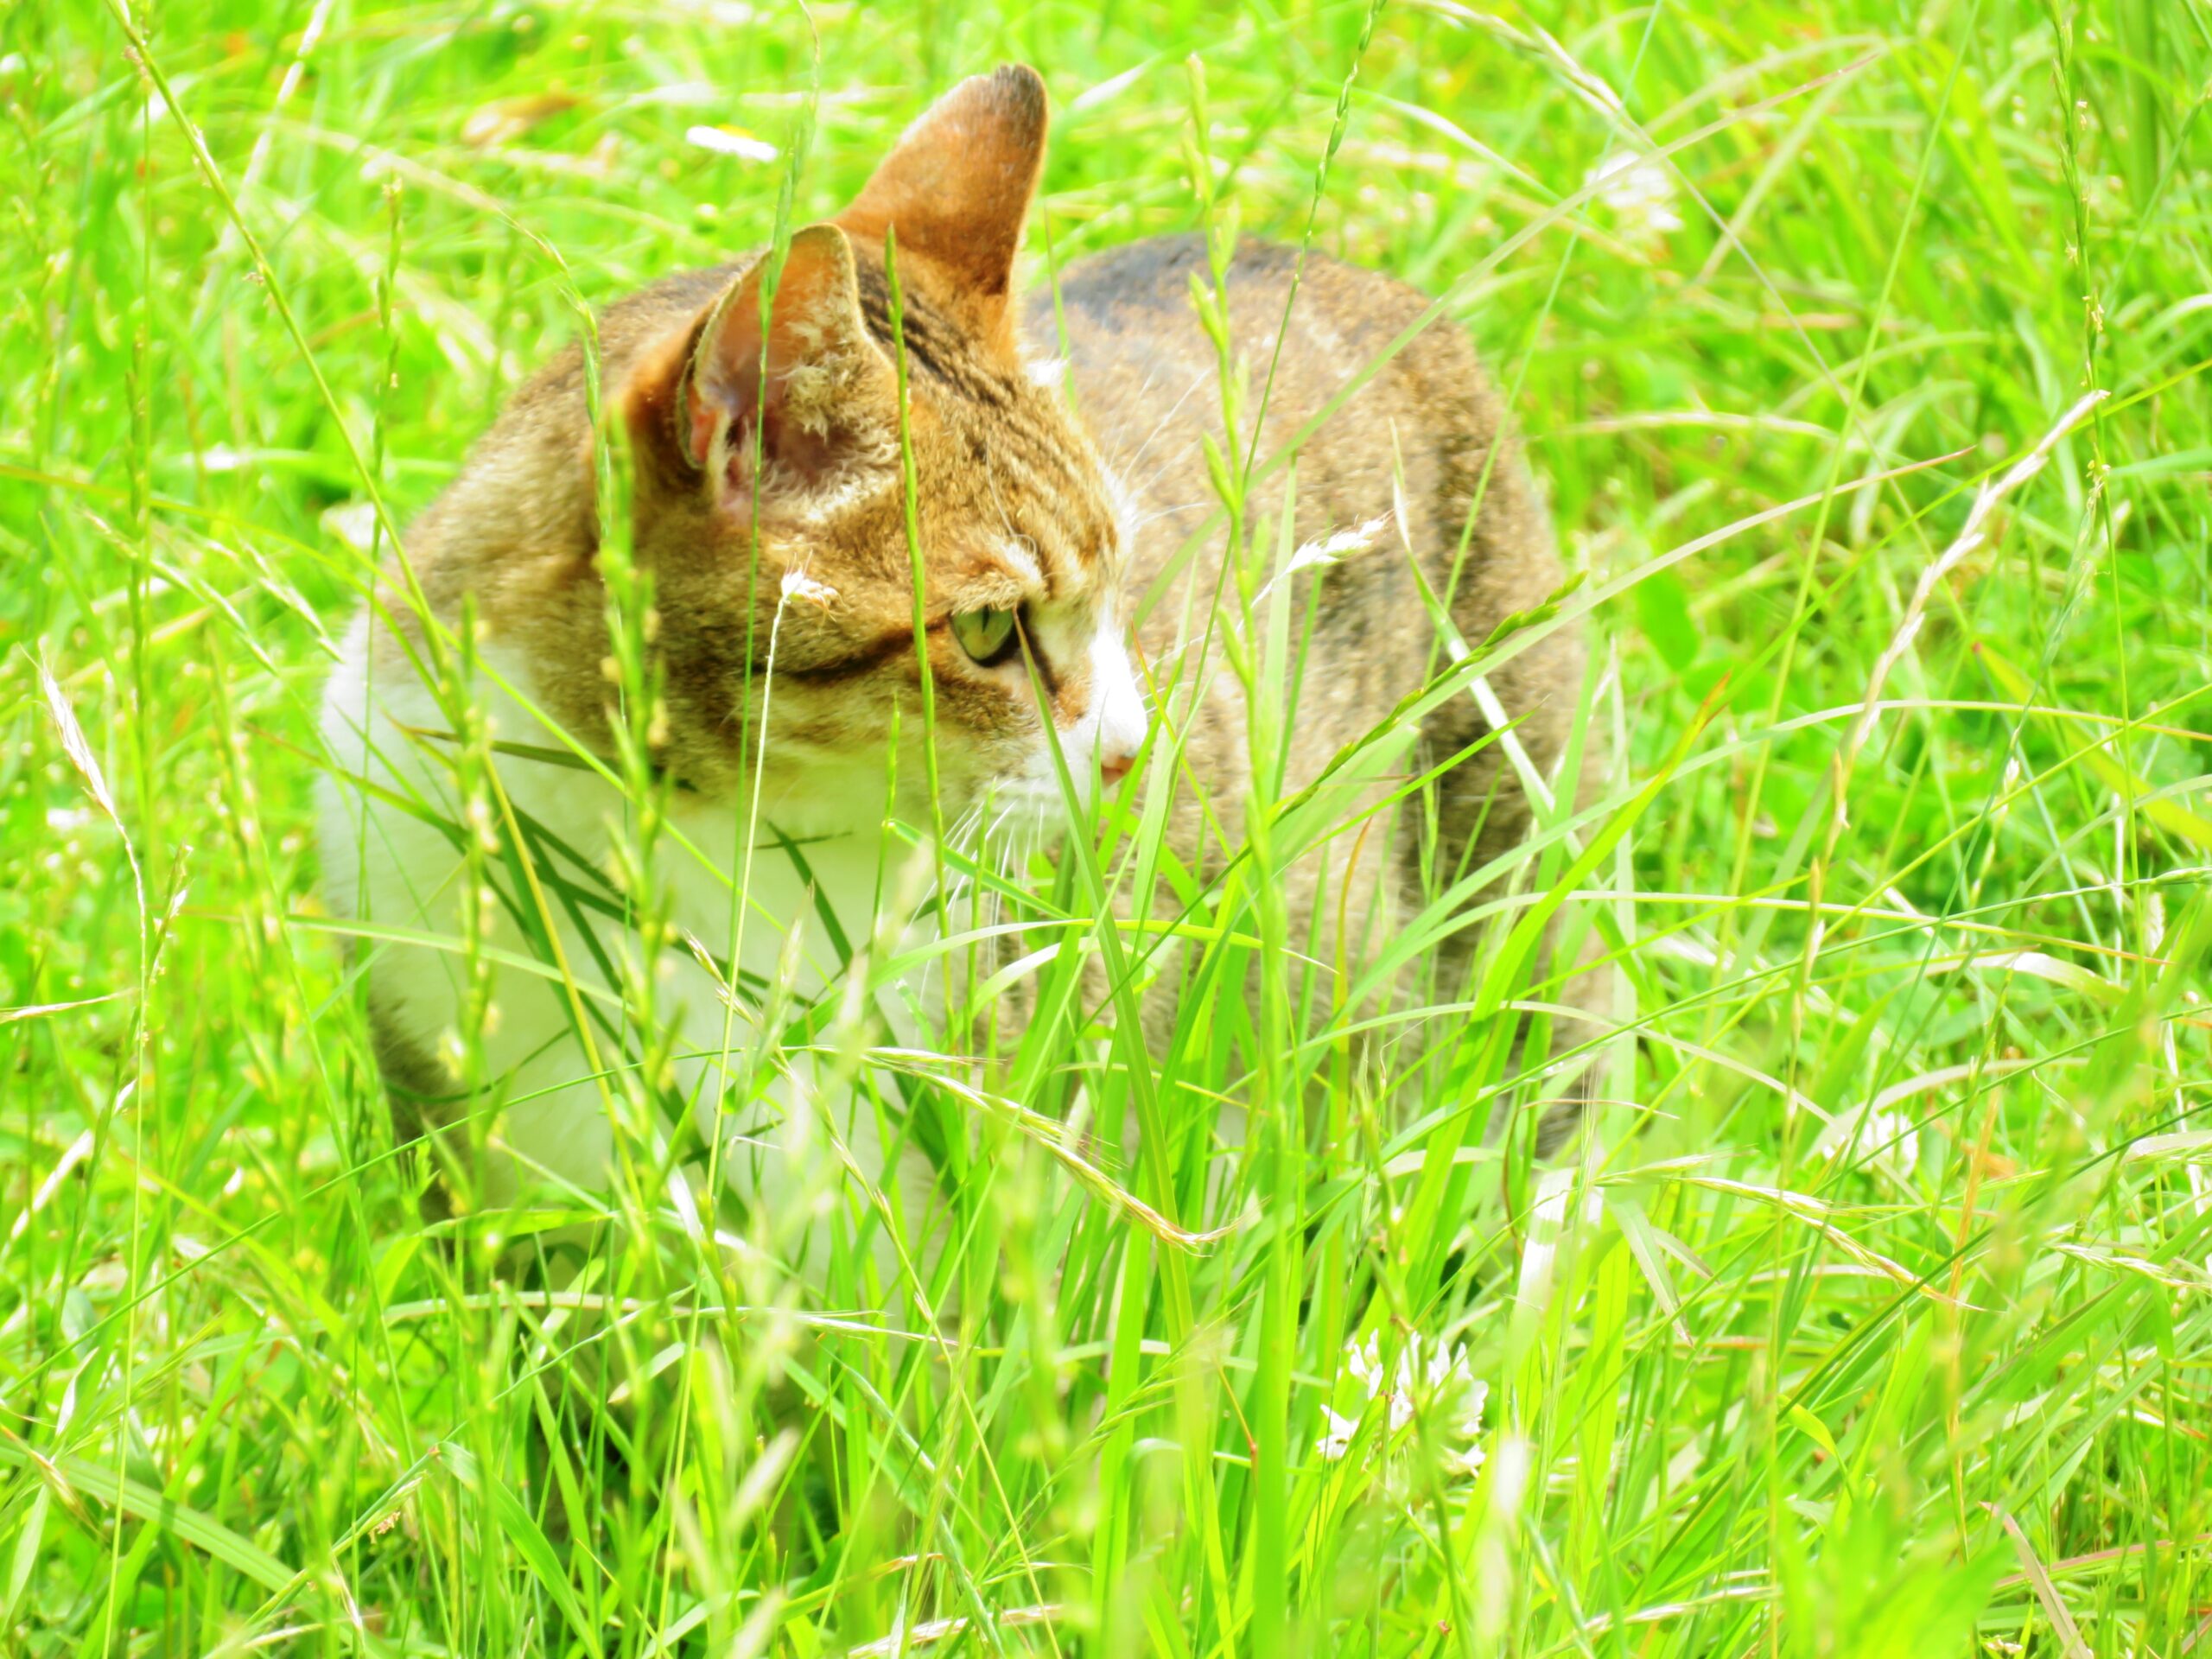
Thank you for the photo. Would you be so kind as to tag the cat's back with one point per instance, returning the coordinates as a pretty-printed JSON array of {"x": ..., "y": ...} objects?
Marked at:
[
  {"x": 1133, "y": 302},
  {"x": 1399, "y": 440},
  {"x": 1360, "y": 378}
]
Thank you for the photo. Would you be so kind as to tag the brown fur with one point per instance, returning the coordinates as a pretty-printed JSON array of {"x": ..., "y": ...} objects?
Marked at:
[
  {"x": 1147, "y": 382},
  {"x": 996, "y": 456},
  {"x": 999, "y": 458}
]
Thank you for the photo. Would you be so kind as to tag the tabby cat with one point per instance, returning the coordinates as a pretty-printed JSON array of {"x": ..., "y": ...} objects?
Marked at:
[{"x": 768, "y": 505}]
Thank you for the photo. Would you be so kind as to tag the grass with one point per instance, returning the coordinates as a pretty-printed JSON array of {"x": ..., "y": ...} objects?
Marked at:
[{"x": 1869, "y": 1314}]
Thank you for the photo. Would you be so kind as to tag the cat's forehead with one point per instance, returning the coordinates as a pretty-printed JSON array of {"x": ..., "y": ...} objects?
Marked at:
[
  {"x": 1044, "y": 511},
  {"x": 1038, "y": 507},
  {"x": 998, "y": 539}
]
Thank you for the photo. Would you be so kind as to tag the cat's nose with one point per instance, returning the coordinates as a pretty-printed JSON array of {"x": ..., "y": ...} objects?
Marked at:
[{"x": 1114, "y": 765}]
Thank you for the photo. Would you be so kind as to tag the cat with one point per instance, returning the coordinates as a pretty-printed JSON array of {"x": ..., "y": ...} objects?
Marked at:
[{"x": 1043, "y": 529}]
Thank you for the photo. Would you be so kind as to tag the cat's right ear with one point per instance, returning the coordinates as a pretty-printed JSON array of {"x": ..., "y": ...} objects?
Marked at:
[
  {"x": 801, "y": 411},
  {"x": 957, "y": 190}
]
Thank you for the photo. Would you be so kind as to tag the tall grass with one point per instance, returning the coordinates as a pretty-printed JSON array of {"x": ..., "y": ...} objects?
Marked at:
[{"x": 1860, "y": 347}]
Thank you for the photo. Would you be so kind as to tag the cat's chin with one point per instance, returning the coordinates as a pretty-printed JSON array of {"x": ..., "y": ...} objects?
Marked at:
[
  {"x": 1007, "y": 819},
  {"x": 1039, "y": 796}
]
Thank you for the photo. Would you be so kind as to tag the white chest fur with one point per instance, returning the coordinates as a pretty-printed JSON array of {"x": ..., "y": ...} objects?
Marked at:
[{"x": 399, "y": 880}]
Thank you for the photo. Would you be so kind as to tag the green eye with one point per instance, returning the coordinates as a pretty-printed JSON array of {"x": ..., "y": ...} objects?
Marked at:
[{"x": 988, "y": 635}]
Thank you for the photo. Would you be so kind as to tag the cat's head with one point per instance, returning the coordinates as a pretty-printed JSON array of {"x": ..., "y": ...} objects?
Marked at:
[{"x": 770, "y": 496}]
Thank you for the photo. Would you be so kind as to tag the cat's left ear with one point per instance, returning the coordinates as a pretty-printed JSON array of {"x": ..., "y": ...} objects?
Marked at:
[
  {"x": 957, "y": 190},
  {"x": 802, "y": 410}
]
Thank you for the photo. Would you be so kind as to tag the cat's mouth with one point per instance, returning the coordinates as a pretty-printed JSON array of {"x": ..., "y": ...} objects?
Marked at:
[{"x": 1034, "y": 803}]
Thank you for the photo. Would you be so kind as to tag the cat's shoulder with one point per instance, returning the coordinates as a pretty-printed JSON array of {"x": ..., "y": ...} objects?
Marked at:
[{"x": 1155, "y": 273}]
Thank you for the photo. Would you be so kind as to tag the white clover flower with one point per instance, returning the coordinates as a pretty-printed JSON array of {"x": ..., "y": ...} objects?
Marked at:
[
  {"x": 1640, "y": 192},
  {"x": 1337, "y": 1437},
  {"x": 1428, "y": 1375},
  {"x": 1468, "y": 1458},
  {"x": 1366, "y": 1369}
]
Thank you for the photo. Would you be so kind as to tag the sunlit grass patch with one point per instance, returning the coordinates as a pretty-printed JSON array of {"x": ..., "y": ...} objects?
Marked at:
[{"x": 1867, "y": 1313}]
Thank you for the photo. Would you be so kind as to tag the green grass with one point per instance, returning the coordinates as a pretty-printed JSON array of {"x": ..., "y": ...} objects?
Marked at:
[{"x": 1869, "y": 1315}]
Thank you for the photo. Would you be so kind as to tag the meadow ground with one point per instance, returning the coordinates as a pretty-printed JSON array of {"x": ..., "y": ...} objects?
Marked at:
[{"x": 1867, "y": 1315}]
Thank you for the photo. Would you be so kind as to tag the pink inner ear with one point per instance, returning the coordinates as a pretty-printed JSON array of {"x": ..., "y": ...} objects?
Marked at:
[
  {"x": 724, "y": 386},
  {"x": 815, "y": 340},
  {"x": 700, "y": 416},
  {"x": 793, "y": 456}
]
